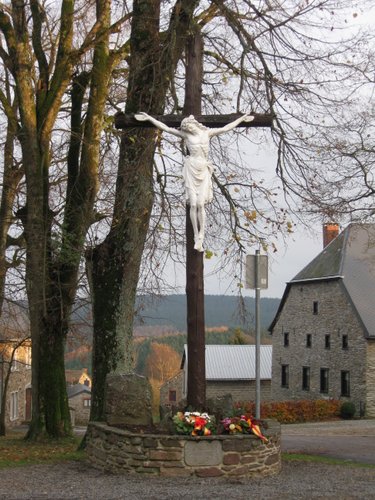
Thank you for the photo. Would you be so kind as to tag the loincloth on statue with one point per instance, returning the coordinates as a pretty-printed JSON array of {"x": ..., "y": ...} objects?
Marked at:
[{"x": 197, "y": 174}]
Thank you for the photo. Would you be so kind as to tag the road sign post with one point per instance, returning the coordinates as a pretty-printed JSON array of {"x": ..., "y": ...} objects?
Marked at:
[{"x": 257, "y": 278}]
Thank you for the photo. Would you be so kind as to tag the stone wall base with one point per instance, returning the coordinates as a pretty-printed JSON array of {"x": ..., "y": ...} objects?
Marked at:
[{"x": 240, "y": 456}]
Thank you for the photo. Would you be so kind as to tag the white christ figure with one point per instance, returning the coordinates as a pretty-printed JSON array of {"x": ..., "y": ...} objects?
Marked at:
[{"x": 197, "y": 169}]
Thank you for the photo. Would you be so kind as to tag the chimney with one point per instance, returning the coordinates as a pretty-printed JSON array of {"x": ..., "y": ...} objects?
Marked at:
[{"x": 330, "y": 231}]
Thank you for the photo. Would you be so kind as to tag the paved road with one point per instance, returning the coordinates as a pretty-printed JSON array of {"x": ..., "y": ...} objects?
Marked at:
[{"x": 347, "y": 439}]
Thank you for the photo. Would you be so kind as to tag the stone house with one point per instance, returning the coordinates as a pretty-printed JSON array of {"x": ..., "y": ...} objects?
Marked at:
[
  {"x": 230, "y": 369},
  {"x": 14, "y": 342},
  {"x": 82, "y": 376},
  {"x": 323, "y": 334},
  {"x": 171, "y": 392},
  {"x": 79, "y": 399}
]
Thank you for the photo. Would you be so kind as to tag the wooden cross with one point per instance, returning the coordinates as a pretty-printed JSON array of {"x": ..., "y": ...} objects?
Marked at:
[{"x": 196, "y": 380}]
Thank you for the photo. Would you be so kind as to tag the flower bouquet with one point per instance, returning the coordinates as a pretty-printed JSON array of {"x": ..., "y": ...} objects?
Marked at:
[
  {"x": 242, "y": 425},
  {"x": 194, "y": 423}
]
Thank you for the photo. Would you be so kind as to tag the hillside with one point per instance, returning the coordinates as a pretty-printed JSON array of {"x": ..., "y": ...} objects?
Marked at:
[
  {"x": 220, "y": 310},
  {"x": 162, "y": 318}
]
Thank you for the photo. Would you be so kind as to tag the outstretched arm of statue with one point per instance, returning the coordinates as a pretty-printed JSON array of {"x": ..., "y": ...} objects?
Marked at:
[
  {"x": 158, "y": 124},
  {"x": 231, "y": 125}
]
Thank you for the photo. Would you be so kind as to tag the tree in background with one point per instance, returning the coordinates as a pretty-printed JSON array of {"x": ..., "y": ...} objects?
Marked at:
[
  {"x": 12, "y": 173},
  {"x": 162, "y": 363},
  {"x": 239, "y": 338}
]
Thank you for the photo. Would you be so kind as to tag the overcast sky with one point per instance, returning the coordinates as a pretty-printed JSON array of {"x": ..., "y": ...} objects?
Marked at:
[
  {"x": 299, "y": 249},
  {"x": 294, "y": 254},
  {"x": 302, "y": 247}
]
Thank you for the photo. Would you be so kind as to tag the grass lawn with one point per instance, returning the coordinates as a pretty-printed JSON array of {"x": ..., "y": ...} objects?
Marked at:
[
  {"x": 301, "y": 457},
  {"x": 15, "y": 451}
]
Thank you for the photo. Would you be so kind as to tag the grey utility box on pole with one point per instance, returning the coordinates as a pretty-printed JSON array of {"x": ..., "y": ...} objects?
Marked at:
[{"x": 257, "y": 278}]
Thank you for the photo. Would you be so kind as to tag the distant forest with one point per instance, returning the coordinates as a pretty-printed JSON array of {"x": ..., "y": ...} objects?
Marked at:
[
  {"x": 163, "y": 320},
  {"x": 220, "y": 310}
]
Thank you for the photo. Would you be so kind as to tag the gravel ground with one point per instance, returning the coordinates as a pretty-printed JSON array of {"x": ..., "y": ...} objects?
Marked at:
[{"x": 297, "y": 480}]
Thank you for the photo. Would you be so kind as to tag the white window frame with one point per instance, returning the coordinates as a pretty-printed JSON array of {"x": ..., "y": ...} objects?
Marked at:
[
  {"x": 14, "y": 406},
  {"x": 87, "y": 403}
]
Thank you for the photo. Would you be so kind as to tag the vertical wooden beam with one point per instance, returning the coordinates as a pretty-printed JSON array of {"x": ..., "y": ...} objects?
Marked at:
[{"x": 196, "y": 385}]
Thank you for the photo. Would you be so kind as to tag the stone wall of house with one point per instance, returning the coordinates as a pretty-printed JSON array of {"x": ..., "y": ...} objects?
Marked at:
[
  {"x": 119, "y": 451},
  {"x": 80, "y": 410},
  {"x": 239, "y": 390},
  {"x": 335, "y": 317},
  {"x": 370, "y": 379},
  {"x": 173, "y": 384},
  {"x": 19, "y": 381}
]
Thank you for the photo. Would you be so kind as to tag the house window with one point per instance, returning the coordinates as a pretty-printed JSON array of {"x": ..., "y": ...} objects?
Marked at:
[
  {"x": 15, "y": 365},
  {"x": 324, "y": 380},
  {"x": 305, "y": 378},
  {"x": 327, "y": 341},
  {"x": 285, "y": 376},
  {"x": 308, "y": 340},
  {"x": 286, "y": 339},
  {"x": 87, "y": 403},
  {"x": 345, "y": 383},
  {"x": 345, "y": 342},
  {"x": 315, "y": 307},
  {"x": 172, "y": 395},
  {"x": 13, "y": 405}
]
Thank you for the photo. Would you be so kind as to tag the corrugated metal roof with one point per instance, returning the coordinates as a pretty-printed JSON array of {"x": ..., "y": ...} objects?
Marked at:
[{"x": 236, "y": 362}]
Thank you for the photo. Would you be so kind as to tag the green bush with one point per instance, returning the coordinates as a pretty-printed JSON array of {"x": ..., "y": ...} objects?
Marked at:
[{"x": 347, "y": 410}]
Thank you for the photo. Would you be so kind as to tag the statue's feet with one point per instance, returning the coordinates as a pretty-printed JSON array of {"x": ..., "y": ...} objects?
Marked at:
[{"x": 199, "y": 245}]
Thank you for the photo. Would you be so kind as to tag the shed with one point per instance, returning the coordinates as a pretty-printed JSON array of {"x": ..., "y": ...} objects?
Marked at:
[{"x": 230, "y": 369}]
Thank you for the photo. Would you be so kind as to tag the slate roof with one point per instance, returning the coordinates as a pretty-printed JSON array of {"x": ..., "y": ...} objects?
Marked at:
[
  {"x": 350, "y": 257},
  {"x": 236, "y": 362},
  {"x": 74, "y": 390}
]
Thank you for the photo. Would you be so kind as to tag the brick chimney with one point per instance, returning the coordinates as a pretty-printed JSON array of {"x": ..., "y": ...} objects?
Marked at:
[{"x": 330, "y": 231}]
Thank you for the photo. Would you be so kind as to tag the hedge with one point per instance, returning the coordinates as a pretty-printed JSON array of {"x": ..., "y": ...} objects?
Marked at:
[{"x": 289, "y": 412}]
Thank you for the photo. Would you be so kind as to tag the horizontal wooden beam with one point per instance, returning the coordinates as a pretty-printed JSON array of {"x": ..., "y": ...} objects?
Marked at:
[{"x": 123, "y": 121}]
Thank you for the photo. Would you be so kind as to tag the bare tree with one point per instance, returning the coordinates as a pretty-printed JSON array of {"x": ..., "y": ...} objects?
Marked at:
[
  {"x": 114, "y": 264},
  {"x": 41, "y": 55}
]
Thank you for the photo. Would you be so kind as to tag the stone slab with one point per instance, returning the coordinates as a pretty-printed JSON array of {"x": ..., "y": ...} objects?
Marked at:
[{"x": 203, "y": 453}]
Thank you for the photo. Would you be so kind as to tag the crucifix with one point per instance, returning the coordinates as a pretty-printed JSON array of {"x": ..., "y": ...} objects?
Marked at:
[{"x": 196, "y": 130}]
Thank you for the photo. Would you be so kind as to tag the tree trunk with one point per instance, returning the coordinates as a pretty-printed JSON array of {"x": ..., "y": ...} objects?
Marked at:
[
  {"x": 114, "y": 265},
  {"x": 11, "y": 178}
]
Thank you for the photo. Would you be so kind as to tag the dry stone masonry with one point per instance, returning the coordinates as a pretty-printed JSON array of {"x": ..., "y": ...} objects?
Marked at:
[{"x": 240, "y": 456}]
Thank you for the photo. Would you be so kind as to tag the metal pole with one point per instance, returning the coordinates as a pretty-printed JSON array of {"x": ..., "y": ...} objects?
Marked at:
[{"x": 257, "y": 334}]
